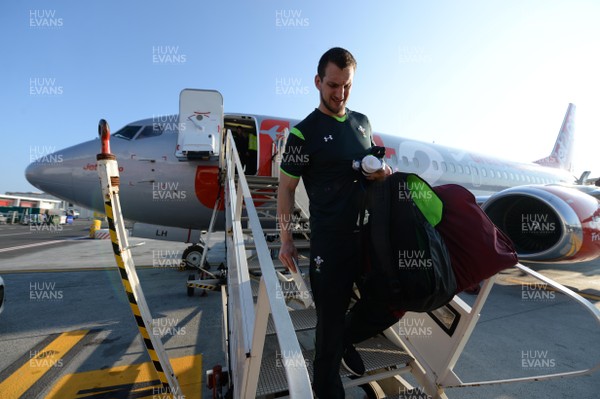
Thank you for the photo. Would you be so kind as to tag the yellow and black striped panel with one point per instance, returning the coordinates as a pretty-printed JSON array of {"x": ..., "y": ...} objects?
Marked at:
[
  {"x": 204, "y": 286},
  {"x": 132, "y": 301}
]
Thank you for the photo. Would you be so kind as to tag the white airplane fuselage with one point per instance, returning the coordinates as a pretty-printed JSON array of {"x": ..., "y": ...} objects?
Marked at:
[{"x": 159, "y": 188}]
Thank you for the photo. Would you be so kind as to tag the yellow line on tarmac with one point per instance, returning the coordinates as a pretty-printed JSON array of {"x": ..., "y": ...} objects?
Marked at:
[
  {"x": 39, "y": 363},
  {"x": 139, "y": 380},
  {"x": 550, "y": 288}
]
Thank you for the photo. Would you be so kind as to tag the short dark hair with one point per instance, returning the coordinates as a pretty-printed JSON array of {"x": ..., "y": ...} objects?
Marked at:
[{"x": 342, "y": 58}]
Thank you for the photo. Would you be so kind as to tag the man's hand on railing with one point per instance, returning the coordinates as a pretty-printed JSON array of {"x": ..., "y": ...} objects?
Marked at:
[{"x": 287, "y": 254}]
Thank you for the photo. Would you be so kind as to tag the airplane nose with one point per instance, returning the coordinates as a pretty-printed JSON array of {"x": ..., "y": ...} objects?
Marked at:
[
  {"x": 51, "y": 175},
  {"x": 31, "y": 174},
  {"x": 69, "y": 174}
]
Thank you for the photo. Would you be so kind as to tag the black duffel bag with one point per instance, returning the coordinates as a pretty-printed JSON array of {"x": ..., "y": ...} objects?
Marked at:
[{"x": 408, "y": 264}]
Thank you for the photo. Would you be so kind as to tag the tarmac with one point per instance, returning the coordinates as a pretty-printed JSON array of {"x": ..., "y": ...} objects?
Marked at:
[{"x": 67, "y": 330}]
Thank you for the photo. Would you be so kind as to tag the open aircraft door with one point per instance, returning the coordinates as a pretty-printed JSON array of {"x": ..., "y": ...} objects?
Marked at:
[{"x": 200, "y": 124}]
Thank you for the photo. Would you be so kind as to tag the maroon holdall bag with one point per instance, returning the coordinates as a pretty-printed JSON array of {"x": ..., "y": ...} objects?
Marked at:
[{"x": 478, "y": 249}]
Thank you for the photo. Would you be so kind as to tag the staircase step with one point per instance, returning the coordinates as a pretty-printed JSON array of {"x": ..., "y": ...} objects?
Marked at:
[
  {"x": 262, "y": 179},
  {"x": 302, "y": 319},
  {"x": 264, "y": 189},
  {"x": 263, "y": 200},
  {"x": 277, "y": 231},
  {"x": 300, "y": 244},
  {"x": 377, "y": 353}
]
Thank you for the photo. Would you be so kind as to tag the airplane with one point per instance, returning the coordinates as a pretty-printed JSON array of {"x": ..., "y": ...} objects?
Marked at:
[{"x": 171, "y": 195}]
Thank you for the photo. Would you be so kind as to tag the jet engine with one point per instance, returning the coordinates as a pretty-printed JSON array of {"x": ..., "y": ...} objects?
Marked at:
[{"x": 548, "y": 223}]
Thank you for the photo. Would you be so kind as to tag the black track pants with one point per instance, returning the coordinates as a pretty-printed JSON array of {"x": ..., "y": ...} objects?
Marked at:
[{"x": 335, "y": 264}]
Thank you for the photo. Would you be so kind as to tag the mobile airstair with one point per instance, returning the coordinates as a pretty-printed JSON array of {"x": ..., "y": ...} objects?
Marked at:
[
  {"x": 266, "y": 308},
  {"x": 269, "y": 318}
]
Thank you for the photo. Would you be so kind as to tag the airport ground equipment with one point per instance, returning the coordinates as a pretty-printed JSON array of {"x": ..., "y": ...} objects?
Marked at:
[
  {"x": 108, "y": 172},
  {"x": 207, "y": 280},
  {"x": 200, "y": 137}
]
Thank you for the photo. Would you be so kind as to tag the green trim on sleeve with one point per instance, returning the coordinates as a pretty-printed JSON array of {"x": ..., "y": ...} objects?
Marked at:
[
  {"x": 297, "y": 133},
  {"x": 289, "y": 174}
]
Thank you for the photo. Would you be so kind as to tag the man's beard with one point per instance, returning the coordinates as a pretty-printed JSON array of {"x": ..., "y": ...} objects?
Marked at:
[{"x": 329, "y": 108}]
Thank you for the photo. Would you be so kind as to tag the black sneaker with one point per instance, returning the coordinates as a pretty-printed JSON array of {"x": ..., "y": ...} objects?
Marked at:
[{"x": 352, "y": 362}]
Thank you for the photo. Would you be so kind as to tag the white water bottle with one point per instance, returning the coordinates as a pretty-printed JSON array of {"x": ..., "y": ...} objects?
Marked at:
[{"x": 371, "y": 164}]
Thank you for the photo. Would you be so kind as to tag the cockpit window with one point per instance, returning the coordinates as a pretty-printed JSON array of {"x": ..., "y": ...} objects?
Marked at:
[
  {"x": 149, "y": 131},
  {"x": 127, "y": 132}
]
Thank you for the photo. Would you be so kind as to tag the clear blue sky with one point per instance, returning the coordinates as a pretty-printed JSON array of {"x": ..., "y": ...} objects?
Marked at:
[{"x": 487, "y": 75}]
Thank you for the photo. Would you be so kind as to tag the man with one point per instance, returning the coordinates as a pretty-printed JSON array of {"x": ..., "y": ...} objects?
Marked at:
[
  {"x": 252, "y": 154},
  {"x": 241, "y": 143},
  {"x": 321, "y": 150}
]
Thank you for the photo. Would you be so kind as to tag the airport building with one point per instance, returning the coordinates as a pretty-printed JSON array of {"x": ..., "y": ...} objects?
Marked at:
[
  {"x": 30, "y": 200},
  {"x": 15, "y": 206}
]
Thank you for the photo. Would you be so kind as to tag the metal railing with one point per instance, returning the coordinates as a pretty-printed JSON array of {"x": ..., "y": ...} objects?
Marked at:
[
  {"x": 247, "y": 323},
  {"x": 571, "y": 295}
]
